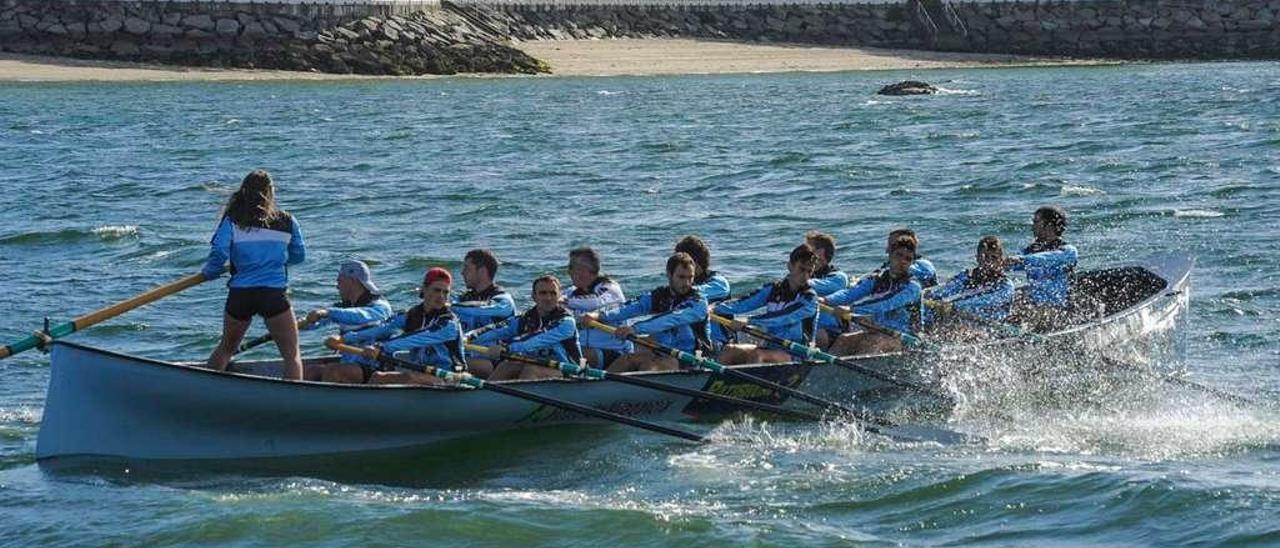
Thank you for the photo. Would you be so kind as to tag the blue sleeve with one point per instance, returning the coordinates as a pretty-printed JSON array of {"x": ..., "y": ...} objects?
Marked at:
[
  {"x": 716, "y": 289},
  {"x": 219, "y": 250},
  {"x": 375, "y": 333},
  {"x": 1062, "y": 257},
  {"x": 909, "y": 293},
  {"x": 830, "y": 283},
  {"x": 639, "y": 306},
  {"x": 499, "y": 307},
  {"x": 924, "y": 272},
  {"x": 563, "y": 329},
  {"x": 858, "y": 291},
  {"x": 686, "y": 313},
  {"x": 297, "y": 249},
  {"x": 503, "y": 331},
  {"x": 377, "y": 311},
  {"x": 952, "y": 287},
  {"x": 449, "y": 331},
  {"x": 806, "y": 307},
  {"x": 609, "y": 294},
  {"x": 997, "y": 296},
  {"x": 742, "y": 306}
]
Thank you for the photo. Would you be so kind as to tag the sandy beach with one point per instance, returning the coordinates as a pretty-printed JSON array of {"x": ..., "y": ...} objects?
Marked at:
[{"x": 567, "y": 58}]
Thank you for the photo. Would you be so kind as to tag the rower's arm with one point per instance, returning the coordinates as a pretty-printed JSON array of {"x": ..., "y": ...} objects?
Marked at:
[
  {"x": 376, "y": 333},
  {"x": 686, "y": 313},
  {"x": 924, "y": 272},
  {"x": 551, "y": 335},
  {"x": 377, "y": 311},
  {"x": 830, "y": 283},
  {"x": 998, "y": 295},
  {"x": 949, "y": 289},
  {"x": 716, "y": 288},
  {"x": 747, "y": 304},
  {"x": 858, "y": 291},
  {"x": 219, "y": 250},
  {"x": 805, "y": 307},
  {"x": 1062, "y": 257},
  {"x": 297, "y": 249},
  {"x": 607, "y": 294},
  {"x": 496, "y": 333},
  {"x": 431, "y": 335},
  {"x": 501, "y": 306},
  {"x": 910, "y": 293},
  {"x": 638, "y": 306}
]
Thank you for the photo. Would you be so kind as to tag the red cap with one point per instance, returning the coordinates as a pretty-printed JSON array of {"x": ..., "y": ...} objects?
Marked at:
[{"x": 437, "y": 274}]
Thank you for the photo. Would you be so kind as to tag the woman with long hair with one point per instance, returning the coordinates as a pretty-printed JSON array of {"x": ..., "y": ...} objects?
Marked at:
[{"x": 261, "y": 241}]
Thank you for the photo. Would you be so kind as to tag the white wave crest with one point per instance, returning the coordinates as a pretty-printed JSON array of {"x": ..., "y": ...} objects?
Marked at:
[
  {"x": 1079, "y": 190},
  {"x": 112, "y": 232},
  {"x": 1197, "y": 213}
]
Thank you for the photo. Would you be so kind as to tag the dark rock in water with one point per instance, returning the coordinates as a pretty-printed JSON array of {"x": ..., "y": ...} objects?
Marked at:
[{"x": 909, "y": 87}]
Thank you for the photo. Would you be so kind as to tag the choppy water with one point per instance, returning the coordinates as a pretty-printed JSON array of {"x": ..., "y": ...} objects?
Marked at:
[{"x": 109, "y": 189}]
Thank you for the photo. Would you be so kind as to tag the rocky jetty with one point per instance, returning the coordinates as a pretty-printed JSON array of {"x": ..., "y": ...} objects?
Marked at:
[{"x": 909, "y": 87}]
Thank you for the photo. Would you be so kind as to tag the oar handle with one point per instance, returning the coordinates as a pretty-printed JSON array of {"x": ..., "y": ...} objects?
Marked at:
[
  {"x": 804, "y": 351},
  {"x": 906, "y": 338},
  {"x": 97, "y": 316}
]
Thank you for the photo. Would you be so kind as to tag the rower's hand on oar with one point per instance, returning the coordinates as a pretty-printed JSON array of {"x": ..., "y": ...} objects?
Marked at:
[
  {"x": 316, "y": 315},
  {"x": 624, "y": 332},
  {"x": 372, "y": 351},
  {"x": 45, "y": 341},
  {"x": 497, "y": 351}
]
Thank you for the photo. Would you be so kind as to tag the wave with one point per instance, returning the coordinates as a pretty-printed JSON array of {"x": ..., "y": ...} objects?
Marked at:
[
  {"x": 1079, "y": 190},
  {"x": 69, "y": 235},
  {"x": 1198, "y": 213}
]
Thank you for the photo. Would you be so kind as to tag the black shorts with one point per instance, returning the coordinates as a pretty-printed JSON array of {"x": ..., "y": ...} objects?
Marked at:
[{"x": 245, "y": 302}]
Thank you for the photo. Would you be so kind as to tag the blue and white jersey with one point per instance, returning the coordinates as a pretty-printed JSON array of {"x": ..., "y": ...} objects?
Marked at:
[
  {"x": 891, "y": 302},
  {"x": 921, "y": 269},
  {"x": 476, "y": 309},
  {"x": 600, "y": 296},
  {"x": 432, "y": 338},
  {"x": 259, "y": 255},
  {"x": 987, "y": 297},
  {"x": 715, "y": 287},
  {"x": 829, "y": 280},
  {"x": 552, "y": 336},
  {"x": 1048, "y": 266},
  {"x": 369, "y": 310},
  {"x": 677, "y": 321},
  {"x": 789, "y": 313}
]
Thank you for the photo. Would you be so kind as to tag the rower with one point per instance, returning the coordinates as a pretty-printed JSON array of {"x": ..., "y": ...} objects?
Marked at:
[
  {"x": 593, "y": 292},
  {"x": 1048, "y": 263},
  {"x": 485, "y": 302},
  {"x": 889, "y": 297},
  {"x": 827, "y": 278},
  {"x": 791, "y": 310},
  {"x": 677, "y": 319},
  {"x": 921, "y": 269},
  {"x": 711, "y": 284},
  {"x": 983, "y": 292},
  {"x": 361, "y": 306},
  {"x": 547, "y": 330},
  {"x": 429, "y": 331}
]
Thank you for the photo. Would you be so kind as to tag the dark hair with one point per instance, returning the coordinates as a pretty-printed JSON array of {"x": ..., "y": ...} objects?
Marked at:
[
  {"x": 681, "y": 259},
  {"x": 254, "y": 203},
  {"x": 803, "y": 253},
  {"x": 904, "y": 231},
  {"x": 1055, "y": 216},
  {"x": 544, "y": 278},
  {"x": 697, "y": 249},
  {"x": 990, "y": 242},
  {"x": 823, "y": 242},
  {"x": 483, "y": 258},
  {"x": 901, "y": 242},
  {"x": 588, "y": 255}
]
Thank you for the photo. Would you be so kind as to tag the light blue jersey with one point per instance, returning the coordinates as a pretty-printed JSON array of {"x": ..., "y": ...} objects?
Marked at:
[
  {"x": 891, "y": 302},
  {"x": 986, "y": 298},
  {"x": 677, "y": 321},
  {"x": 259, "y": 255},
  {"x": 1048, "y": 266}
]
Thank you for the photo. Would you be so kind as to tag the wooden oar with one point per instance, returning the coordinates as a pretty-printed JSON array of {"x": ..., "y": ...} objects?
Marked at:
[
  {"x": 78, "y": 324},
  {"x": 263, "y": 339},
  {"x": 473, "y": 382},
  {"x": 811, "y": 353},
  {"x": 875, "y": 425},
  {"x": 592, "y": 373},
  {"x": 907, "y": 339}
]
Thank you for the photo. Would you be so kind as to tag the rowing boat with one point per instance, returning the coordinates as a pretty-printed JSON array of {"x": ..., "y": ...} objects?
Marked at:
[{"x": 102, "y": 403}]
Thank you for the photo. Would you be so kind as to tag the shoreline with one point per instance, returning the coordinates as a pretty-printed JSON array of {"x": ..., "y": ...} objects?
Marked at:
[{"x": 568, "y": 58}]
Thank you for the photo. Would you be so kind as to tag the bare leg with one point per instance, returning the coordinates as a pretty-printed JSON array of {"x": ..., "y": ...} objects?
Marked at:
[
  {"x": 506, "y": 371},
  {"x": 626, "y": 363},
  {"x": 734, "y": 354},
  {"x": 533, "y": 372},
  {"x": 480, "y": 367},
  {"x": 313, "y": 372},
  {"x": 823, "y": 339},
  {"x": 847, "y": 344},
  {"x": 661, "y": 363},
  {"x": 766, "y": 355},
  {"x": 284, "y": 331},
  {"x": 343, "y": 373},
  {"x": 403, "y": 377},
  {"x": 232, "y": 333}
]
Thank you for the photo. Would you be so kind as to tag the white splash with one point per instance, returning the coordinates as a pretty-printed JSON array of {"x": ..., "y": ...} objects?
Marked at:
[
  {"x": 1197, "y": 213},
  {"x": 112, "y": 232},
  {"x": 1079, "y": 190}
]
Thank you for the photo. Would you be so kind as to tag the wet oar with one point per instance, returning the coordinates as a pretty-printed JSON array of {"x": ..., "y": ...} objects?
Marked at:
[
  {"x": 1185, "y": 383},
  {"x": 78, "y": 324},
  {"x": 875, "y": 425},
  {"x": 907, "y": 339},
  {"x": 592, "y": 373},
  {"x": 473, "y": 382},
  {"x": 263, "y": 339},
  {"x": 811, "y": 353}
]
